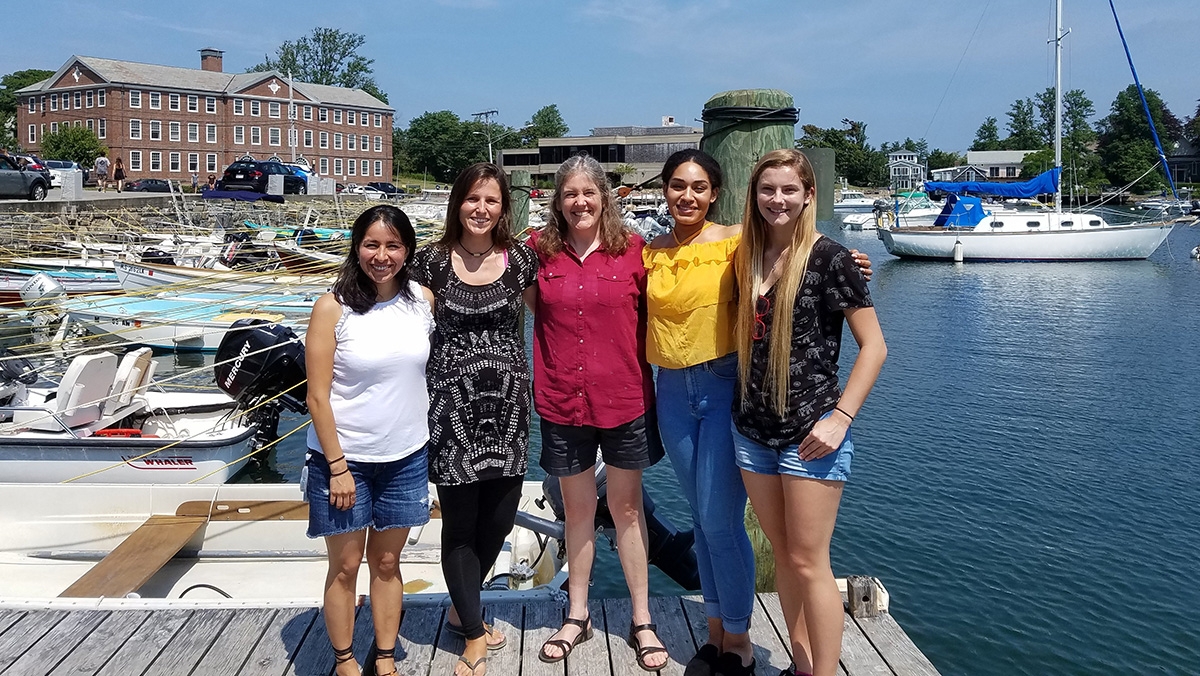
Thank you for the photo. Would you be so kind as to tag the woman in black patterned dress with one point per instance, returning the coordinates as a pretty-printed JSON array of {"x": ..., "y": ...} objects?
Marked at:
[{"x": 479, "y": 391}]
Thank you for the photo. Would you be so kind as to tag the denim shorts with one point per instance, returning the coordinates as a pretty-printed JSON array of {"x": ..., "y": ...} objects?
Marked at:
[
  {"x": 386, "y": 495},
  {"x": 755, "y": 457}
]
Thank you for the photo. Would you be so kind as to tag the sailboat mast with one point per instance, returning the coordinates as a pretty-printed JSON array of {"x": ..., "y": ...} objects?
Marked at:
[{"x": 1058, "y": 37}]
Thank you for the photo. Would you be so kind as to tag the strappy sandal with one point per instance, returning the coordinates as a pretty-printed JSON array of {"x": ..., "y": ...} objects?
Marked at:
[
  {"x": 342, "y": 656},
  {"x": 390, "y": 653},
  {"x": 473, "y": 667},
  {"x": 641, "y": 652},
  {"x": 585, "y": 633},
  {"x": 490, "y": 631}
]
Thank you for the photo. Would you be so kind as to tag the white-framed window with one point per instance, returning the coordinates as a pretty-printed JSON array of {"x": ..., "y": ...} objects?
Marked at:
[
  {"x": 32, "y": 133},
  {"x": 256, "y": 136},
  {"x": 211, "y": 162},
  {"x": 173, "y": 163},
  {"x": 273, "y": 137},
  {"x": 42, "y": 102},
  {"x": 101, "y": 128},
  {"x": 89, "y": 99},
  {"x": 379, "y": 167},
  {"x": 351, "y": 117},
  {"x": 155, "y": 130},
  {"x": 173, "y": 131},
  {"x": 351, "y": 142},
  {"x": 337, "y": 166},
  {"x": 32, "y": 104},
  {"x": 53, "y": 127},
  {"x": 77, "y": 123},
  {"x": 324, "y": 140},
  {"x": 155, "y": 100},
  {"x": 135, "y": 130},
  {"x": 307, "y": 113},
  {"x": 255, "y": 108},
  {"x": 363, "y": 142},
  {"x": 293, "y": 138},
  {"x": 64, "y": 101},
  {"x": 308, "y": 140},
  {"x": 273, "y": 109},
  {"x": 337, "y": 141},
  {"x": 378, "y": 144},
  {"x": 193, "y": 162},
  {"x": 101, "y": 97},
  {"x": 135, "y": 98},
  {"x": 351, "y": 168},
  {"x": 362, "y": 118},
  {"x": 210, "y": 133},
  {"x": 53, "y": 102},
  {"x": 378, "y": 120},
  {"x": 239, "y": 135},
  {"x": 210, "y": 105},
  {"x": 322, "y": 115},
  {"x": 173, "y": 102},
  {"x": 135, "y": 160},
  {"x": 324, "y": 166},
  {"x": 365, "y": 167},
  {"x": 42, "y": 130},
  {"x": 337, "y": 116},
  {"x": 193, "y": 132},
  {"x": 155, "y": 160},
  {"x": 239, "y": 107},
  {"x": 193, "y": 103},
  {"x": 78, "y": 98},
  {"x": 91, "y": 124},
  {"x": 292, "y": 111}
]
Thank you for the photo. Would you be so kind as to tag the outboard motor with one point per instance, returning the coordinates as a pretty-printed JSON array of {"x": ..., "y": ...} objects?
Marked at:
[
  {"x": 670, "y": 548},
  {"x": 305, "y": 236},
  {"x": 158, "y": 257},
  {"x": 42, "y": 289},
  {"x": 257, "y": 360},
  {"x": 15, "y": 373}
]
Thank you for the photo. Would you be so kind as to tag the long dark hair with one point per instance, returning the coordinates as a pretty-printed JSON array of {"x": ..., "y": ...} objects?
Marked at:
[
  {"x": 706, "y": 162},
  {"x": 613, "y": 234},
  {"x": 353, "y": 288},
  {"x": 467, "y": 178}
]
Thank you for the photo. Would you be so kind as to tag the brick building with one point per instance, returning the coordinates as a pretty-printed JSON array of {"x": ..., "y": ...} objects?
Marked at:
[{"x": 168, "y": 122}]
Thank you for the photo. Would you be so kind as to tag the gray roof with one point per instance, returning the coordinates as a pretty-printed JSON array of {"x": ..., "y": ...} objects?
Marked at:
[{"x": 152, "y": 75}]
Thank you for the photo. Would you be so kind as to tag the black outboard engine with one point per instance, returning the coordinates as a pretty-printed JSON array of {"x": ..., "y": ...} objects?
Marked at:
[
  {"x": 670, "y": 548},
  {"x": 15, "y": 373},
  {"x": 305, "y": 236},
  {"x": 157, "y": 256}
]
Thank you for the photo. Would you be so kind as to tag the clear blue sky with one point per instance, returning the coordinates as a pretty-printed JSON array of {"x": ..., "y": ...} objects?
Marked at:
[{"x": 620, "y": 62}]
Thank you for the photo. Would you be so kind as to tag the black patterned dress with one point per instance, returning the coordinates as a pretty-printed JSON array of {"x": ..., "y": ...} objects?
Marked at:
[{"x": 478, "y": 376}]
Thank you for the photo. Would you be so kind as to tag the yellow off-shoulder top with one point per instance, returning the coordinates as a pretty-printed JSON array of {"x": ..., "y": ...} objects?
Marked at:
[{"x": 690, "y": 302}]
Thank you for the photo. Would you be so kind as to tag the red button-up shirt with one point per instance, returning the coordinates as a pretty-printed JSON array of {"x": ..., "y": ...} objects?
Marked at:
[{"x": 589, "y": 338}]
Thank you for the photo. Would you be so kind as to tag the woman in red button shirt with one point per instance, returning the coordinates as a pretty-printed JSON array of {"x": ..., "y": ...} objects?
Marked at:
[{"x": 594, "y": 391}]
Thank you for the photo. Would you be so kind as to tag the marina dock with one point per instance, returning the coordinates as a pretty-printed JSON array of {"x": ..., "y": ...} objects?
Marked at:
[{"x": 117, "y": 637}]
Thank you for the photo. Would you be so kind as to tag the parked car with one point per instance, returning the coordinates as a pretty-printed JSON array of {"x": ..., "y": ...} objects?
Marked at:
[
  {"x": 388, "y": 189},
  {"x": 147, "y": 185},
  {"x": 34, "y": 163},
  {"x": 18, "y": 182},
  {"x": 60, "y": 168},
  {"x": 254, "y": 176}
]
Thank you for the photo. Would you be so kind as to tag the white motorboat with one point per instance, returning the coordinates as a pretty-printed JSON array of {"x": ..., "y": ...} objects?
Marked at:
[
  {"x": 910, "y": 210},
  {"x": 852, "y": 201},
  {"x": 142, "y": 276}
]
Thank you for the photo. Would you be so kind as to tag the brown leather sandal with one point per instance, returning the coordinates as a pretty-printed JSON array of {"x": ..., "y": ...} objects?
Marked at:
[
  {"x": 641, "y": 652},
  {"x": 585, "y": 633}
]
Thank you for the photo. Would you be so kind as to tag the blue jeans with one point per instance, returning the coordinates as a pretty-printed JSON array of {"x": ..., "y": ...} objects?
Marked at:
[{"x": 695, "y": 414}]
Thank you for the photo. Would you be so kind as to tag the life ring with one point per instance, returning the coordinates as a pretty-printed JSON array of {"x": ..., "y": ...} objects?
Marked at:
[{"x": 123, "y": 432}]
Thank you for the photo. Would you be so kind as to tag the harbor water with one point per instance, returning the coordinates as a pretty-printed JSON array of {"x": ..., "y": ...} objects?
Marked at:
[{"x": 1026, "y": 481}]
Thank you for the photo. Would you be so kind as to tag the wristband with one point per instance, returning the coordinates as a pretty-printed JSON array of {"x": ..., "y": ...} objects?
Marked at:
[
  {"x": 345, "y": 471},
  {"x": 839, "y": 410}
]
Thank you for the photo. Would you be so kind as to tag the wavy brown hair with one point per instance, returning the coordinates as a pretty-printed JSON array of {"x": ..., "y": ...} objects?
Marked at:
[
  {"x": 502, "y": 236},
  {"x": 750, "y": 274},
  {"x": 353, "y": 288},
  {"x": 613, "y": 235}
]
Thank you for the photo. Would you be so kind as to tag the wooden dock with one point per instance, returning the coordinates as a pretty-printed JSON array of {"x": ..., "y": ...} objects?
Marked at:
[{"x": 291, "y": 641}]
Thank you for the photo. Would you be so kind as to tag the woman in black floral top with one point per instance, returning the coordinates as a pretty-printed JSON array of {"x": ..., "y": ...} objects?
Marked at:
[
  {"x": 791, "y": 421},
  {"x": 479, "y": 395}
]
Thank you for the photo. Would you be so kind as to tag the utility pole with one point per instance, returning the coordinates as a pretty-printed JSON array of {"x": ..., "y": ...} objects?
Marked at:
[
  {"x": 291, "y": 119},
  {"x": 487, "y": 126}
]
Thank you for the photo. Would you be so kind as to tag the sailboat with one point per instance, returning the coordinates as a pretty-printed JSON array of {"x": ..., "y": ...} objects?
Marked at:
[{"x": 966, "y": 230}]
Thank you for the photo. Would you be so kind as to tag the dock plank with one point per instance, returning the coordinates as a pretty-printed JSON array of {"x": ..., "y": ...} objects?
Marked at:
[
  {"x": 447, "y": 648},
  {"x": 674, "y": 632},
  {"x": 895, "y": 647},
  {"x": 541, "y": 621},
  {"x": 419, "y": 629},
  {"x": 8, "y": 618},
  {"x": 190, "y": 643},
  {"x": 24, "y": 633},
  {"x": 235, "y": 642},
  {"x": 57, "y": 643},
  {"x": 859, "y": 657},
  {"x": 769, "y": 634},
  {"x": 508, "y": 619},
  {"x": 697, "y": 619},
  {"x": 589, "y": 658},
  {"x": 146, "y": 642},
  {"x": 90, "y": 655},
  {"x": 279, "y": 642}
]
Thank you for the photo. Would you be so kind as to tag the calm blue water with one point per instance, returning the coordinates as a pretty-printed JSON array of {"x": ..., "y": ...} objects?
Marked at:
[{"x": 1025, "y": 481}]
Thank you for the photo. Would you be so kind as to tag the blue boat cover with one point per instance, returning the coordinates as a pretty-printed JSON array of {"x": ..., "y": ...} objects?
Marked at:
[
  {"x": 243, "y": 195},
  {"x": 960, "y": 212},
  {"x": 1044, "y": 183}
]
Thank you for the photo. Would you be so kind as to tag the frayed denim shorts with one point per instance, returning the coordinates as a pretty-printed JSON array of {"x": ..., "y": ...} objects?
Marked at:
[
  {"x": 386, "y": 495},
  {"x": 755, "y": 457}
]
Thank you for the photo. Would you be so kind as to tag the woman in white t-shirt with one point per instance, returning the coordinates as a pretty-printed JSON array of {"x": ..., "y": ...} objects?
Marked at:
[{"x": 367, "y": 345}]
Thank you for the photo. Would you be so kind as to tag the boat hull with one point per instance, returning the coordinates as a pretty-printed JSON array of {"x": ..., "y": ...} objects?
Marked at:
[{"x": 1109, "y": 243}]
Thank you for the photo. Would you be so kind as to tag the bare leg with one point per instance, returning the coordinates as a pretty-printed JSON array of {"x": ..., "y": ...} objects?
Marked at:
[
  {"x": 387, "y": 590},
  {"x": 811, "y": 508},
  {"x": 345, "y": 555},
  {"x": 625, "y": 505},
  {"x": 579, "y": 503}
]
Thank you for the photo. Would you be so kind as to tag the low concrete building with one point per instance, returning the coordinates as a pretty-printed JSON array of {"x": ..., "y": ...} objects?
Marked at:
[{"x": 642, "y": 149}]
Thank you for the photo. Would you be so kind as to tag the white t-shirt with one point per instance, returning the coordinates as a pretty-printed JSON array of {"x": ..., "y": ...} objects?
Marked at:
[{"x": 379, "y": 399}]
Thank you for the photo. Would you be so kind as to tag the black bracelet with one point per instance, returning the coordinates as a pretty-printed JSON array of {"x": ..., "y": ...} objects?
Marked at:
[
  {"x": 345, "y": 471},
  {"x": 336, "y": 459},
  {"x": 839, "y": 410}
]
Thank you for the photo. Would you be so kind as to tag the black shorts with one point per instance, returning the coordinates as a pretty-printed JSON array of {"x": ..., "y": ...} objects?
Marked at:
[{"x": 568, "y": 450}]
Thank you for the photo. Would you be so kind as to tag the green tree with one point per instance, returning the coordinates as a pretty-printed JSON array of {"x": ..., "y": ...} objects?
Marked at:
[
  {"x": 443, "y": 144},
  {"x": 921, "y": 148},
  {"x": 854, "y": 158},
  {"x": 1044, "y": 101},
  {"x": 9, "y": 84},
  {"x": 547, "y": 122},
  {"x": 327, "y": 56},
  {"x": 1125, "y": 145},
  {"x": 402, "y": 162},
  {"x": 987, "y": 137},
  {"x": 1023, "y": 131},
  {"x": 1191, "y": 130},
  {"x": 940, "y": 159},
  {"x": 77, "y": 144}
]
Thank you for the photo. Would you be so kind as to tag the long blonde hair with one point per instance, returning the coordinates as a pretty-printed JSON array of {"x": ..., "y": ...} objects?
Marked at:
[{"x": 750, "y": 274}]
